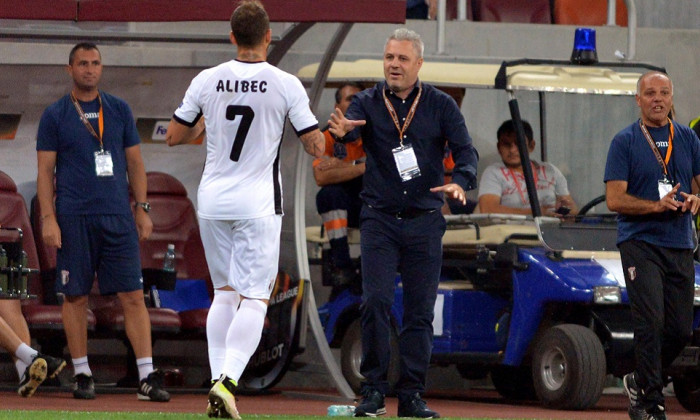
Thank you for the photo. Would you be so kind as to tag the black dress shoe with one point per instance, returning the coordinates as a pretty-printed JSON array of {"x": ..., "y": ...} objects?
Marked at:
[
  {"x": 416, "y": 407},
  {"x": 372, "y": 404}
]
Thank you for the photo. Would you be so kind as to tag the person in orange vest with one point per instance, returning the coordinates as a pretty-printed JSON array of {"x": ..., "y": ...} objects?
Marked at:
[{"x": 339, "y": 174}]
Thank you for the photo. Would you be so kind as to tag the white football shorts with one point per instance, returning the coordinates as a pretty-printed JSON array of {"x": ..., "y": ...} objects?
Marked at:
[{"x": 243, "y": 254}]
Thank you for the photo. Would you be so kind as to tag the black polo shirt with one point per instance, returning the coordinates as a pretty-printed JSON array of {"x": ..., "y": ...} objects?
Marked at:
[{"x": 437, "y": 121}]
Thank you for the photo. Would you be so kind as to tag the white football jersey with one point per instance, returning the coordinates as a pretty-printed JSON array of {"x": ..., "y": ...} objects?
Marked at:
[{"x": 244, "y": 107}]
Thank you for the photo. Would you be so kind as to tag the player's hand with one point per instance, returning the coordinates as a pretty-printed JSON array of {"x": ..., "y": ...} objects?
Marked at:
[{"x": 339, "y": 126}]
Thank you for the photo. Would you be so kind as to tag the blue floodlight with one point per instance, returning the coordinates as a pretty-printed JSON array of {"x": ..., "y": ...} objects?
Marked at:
[{"x": 584, "y": 47}]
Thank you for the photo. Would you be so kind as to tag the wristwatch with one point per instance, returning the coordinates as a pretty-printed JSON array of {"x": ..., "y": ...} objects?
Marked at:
[{"x": 145, "y": 206}]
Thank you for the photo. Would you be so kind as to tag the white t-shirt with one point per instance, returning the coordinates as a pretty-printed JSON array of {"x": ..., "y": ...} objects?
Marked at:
[
  {"x": 244, "y": 106},
  {"x": 508, "y": 184}
]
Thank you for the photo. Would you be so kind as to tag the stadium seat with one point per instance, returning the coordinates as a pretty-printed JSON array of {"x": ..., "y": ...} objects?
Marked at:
[
  {"x": 587, "y": 13},
  {"x": 167, "y": 217},
  {"x": 109, "y": 313},
  {"x": 165, "y": 323},
  {"x": 45, "y": 321},
  {"x": 106, "y": 312},
  {"x": 44, "y": 288},
  {"x": 46, "y": 255},
  {"x": 175, "y": 222},
  {"x": 518, "y": 11}
]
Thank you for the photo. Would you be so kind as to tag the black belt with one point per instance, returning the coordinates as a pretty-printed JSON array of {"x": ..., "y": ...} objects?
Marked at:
[{"x": 409, "y": 213}]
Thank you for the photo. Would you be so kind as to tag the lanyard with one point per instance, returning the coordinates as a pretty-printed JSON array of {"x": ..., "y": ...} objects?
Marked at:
[
  {"x": 657, "y": 154},
  {"x": 84, "y": 119},
  {"x": 517, "y": 184},
  {"x": 409, "y": 117}
]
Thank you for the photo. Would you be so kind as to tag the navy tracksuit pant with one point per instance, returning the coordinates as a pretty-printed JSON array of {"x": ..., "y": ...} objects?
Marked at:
[{"x": 660, "y": 285}]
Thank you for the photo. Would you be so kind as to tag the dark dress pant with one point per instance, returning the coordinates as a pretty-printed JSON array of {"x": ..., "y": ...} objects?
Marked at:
[{"x": 413, "y": 248}]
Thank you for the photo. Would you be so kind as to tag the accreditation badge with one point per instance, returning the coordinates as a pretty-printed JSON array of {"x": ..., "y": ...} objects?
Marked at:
[
  {"x": 103, "y": 163},
  {"x": 406, "y": 162},
  {"x": 665, "y": 187}
]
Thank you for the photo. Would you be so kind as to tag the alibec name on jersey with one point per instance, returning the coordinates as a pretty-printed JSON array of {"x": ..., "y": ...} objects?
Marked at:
[{"x": 242, "y": 86}]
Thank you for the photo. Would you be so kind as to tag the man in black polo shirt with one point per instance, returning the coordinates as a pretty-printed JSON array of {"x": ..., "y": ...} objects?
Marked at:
[{"x": 404, "y": 125}]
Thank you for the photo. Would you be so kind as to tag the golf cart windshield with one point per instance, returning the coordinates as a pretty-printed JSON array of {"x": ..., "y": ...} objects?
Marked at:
[{"x": 579, "y": 109}]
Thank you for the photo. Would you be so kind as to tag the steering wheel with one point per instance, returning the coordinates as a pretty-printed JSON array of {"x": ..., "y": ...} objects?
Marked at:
[{"x": 591, "y": 204}]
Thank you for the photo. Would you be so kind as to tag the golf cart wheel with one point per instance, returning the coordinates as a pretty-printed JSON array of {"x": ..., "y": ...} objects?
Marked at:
[
  {"x": 568, "y": 368},
  {"x": 687, "y": 389},
  {"x": 513, "y": 382},
  {"x": 351, "y": 357}
]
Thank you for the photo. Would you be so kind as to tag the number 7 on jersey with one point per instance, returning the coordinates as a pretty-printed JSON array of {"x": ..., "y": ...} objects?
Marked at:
[{"x": 247, "y": 114}]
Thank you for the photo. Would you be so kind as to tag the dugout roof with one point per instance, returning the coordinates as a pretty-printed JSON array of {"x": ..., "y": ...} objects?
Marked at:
[
  {"x": 542, "y": 78},
  {"x": 375, "y": 11}
]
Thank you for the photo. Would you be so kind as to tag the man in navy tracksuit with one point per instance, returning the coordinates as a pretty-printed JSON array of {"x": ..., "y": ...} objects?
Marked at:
[{"x": 650, "y": 167}]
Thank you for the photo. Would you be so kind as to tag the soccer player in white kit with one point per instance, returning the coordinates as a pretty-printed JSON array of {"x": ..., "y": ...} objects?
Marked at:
[{"x": 244, "y": 103}]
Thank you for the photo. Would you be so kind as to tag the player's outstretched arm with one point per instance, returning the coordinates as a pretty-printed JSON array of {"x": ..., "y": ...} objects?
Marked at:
[{"x": 314, "y": 143}]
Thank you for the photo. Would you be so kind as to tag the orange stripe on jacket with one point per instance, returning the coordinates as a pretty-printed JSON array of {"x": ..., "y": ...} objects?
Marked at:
[{"x": 335, "y": 224}]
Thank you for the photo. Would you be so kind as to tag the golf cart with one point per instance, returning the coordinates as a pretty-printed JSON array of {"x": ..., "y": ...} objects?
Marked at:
[{"x": 538, "y": 303}]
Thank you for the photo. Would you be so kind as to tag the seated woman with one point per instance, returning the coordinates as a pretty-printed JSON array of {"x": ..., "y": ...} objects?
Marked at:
[{"x": 502, "y": 188}]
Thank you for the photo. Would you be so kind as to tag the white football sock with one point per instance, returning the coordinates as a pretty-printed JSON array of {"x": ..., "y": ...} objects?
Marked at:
[
  {"x": 26, "y": 354},
  {"x": 243, "y": 336},
  {"x": 21, "y": 368},
  {"x": 219, "y": 319},
  {"x": 80, "y": 365},
  {"x": 145, "y": 367}
]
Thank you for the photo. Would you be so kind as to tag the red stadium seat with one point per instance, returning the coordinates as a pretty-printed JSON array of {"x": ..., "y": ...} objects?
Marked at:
[
  {"x": 46, "y": 254},
  {"x": 45, "y": 321},
  {"x": 518, "y": 11},
  {"x": 109, "y": 313},
  {"x": 175, "y": 222},
  {"x": 47, "y": 264},
  {"x": 587, "y": 13},
  {"x": 105, "y": 312}
]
